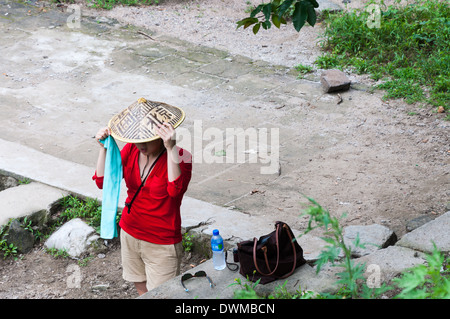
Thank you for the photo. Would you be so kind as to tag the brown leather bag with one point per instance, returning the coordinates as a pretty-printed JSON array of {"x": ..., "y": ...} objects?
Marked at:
[{"x": 273, "y": 256}]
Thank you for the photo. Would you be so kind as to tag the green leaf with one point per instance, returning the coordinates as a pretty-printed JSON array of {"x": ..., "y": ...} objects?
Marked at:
[
  {"x": 443, "y": 290},
  {"x": 299, "y": 16},
  {"x": 314, "y": 3},
  {"x": 284, "y": 7},
  {"x": 256, "y": 28},
  {"x": 257, "y": 10},
  {"x": 311, "y": 16},
  {"x": 276, "y": 20},
  {"x": 267, "y": 10},
  {"x": 246, "y": 22},
  {"x": 266, "y": 24}
]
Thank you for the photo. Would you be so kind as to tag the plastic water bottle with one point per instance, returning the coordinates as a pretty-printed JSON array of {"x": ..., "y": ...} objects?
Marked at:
[{"x": 217, "y": 249}]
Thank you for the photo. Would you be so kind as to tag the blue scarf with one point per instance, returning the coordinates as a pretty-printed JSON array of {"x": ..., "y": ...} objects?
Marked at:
[{"x": 111, "y": 189}]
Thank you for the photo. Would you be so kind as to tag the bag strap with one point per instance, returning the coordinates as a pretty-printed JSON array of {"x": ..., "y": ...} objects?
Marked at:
[
  {"x": 278, "y": 253},
  {"x": 293, "y": 248},
  {"x": 255, "y": 241},
  {"x": 143, "y": 182}
]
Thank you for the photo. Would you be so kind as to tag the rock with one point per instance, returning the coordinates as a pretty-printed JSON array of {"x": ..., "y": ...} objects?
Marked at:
[
  {"x": 312, "y": 246},
  {"x": 75, "y": 237},
  {"x": 373, "y": 236},
  {"x": 334, "y": 80},
  {"x": 447, "y": 207},
  {"x": 7, "y": 182},
  {"x": 100, "y": 287},
  {"x": 417, "y": 222},
  {"x": 390, "y": 262},
  {"x": 382, "y": 265},
  {"x": 422, "y": 238},
  {"x": 27, "y": 199},
  {"x": 20, "y": 237}
]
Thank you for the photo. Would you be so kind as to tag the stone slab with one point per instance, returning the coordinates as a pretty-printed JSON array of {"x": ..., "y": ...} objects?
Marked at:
[
  {"x": 435, "y": 231},
  {"x": 373, "y": 237},
  {"x": 390, "y": 262},
  {"x": 382, "y": 265},
  {"x": 24, "y": 200}
]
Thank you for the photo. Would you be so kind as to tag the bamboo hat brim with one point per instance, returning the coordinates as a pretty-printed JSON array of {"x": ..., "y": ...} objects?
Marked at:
[{"x": 136, "y": 123}]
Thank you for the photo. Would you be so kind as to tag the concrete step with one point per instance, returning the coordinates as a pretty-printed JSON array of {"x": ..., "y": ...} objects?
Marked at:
[{"x": 25, "y": 200}]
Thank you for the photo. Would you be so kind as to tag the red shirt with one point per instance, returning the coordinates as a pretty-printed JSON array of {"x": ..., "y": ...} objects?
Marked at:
[{"x": 155, "y": 213}]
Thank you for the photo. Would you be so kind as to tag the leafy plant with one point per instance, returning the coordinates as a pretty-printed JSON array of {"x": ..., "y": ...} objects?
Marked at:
[
  {"x": 303, "y": 69},
  {"x": 89, "y": 210},
  {"x": 7, "y": 249},
  {"x": 246, "y": 289},
  {"x": 277, "y": 12},
  {"x": 188, "y": 242},
  {"x": 280, "y": 292},
  {"x": 351, "y": 278},
  {"x": 57, "y": 253},
  {"x": 429, "y": 281},
  {"x": 24, "y": 181},
  {"x": 85, "y": 261}
]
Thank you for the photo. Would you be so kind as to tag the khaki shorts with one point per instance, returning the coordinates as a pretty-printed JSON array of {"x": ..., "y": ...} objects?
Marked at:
[{"x": 143, "y": 261}]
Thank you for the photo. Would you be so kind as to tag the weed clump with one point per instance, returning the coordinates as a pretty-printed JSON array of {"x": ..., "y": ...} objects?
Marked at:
[{"x": 408, "y": 49}]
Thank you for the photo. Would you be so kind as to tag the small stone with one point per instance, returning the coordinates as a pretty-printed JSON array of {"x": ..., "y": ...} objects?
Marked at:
[
  {"x": 418, "y": 221},
  {"x": 19, "y": 237},
  {"x": 334, "y": 80},
  {"x": 100, "y": 287}
]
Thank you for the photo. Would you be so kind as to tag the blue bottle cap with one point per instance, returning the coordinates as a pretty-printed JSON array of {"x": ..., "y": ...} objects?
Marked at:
[{"x": 215, "y": 232}]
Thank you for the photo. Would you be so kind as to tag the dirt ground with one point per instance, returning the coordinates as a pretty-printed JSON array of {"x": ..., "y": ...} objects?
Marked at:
[
  {"x": 386, "y": 166},
  {"x": 39, "y": 275}
]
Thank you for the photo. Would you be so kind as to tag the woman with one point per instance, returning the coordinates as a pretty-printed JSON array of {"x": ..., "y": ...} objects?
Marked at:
[{"x": 150, "y": 225}]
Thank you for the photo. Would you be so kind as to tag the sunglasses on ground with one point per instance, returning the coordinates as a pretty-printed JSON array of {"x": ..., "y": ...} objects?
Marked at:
[{"x": 197, "y": 274}]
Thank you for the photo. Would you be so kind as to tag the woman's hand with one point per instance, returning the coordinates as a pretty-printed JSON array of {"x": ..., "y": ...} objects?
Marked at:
[
  {"x": 167, "y": 134},
  {"x": 102, "y": 134}
]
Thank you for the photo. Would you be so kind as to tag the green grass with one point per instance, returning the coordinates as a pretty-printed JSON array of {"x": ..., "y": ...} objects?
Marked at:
[
  {"x": 409, "y": 52},
  {"x": 109, "y": 4},
  {"x": 74, "y": 207},
  {"x": 303, "y": 69}
]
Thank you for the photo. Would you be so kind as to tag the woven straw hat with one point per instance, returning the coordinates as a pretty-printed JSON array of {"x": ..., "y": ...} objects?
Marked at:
[{"x": 136, "y": 124}]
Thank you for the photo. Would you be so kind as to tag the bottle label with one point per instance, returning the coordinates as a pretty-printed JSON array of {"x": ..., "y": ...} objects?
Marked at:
[{"x": 217, "y": 247}]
